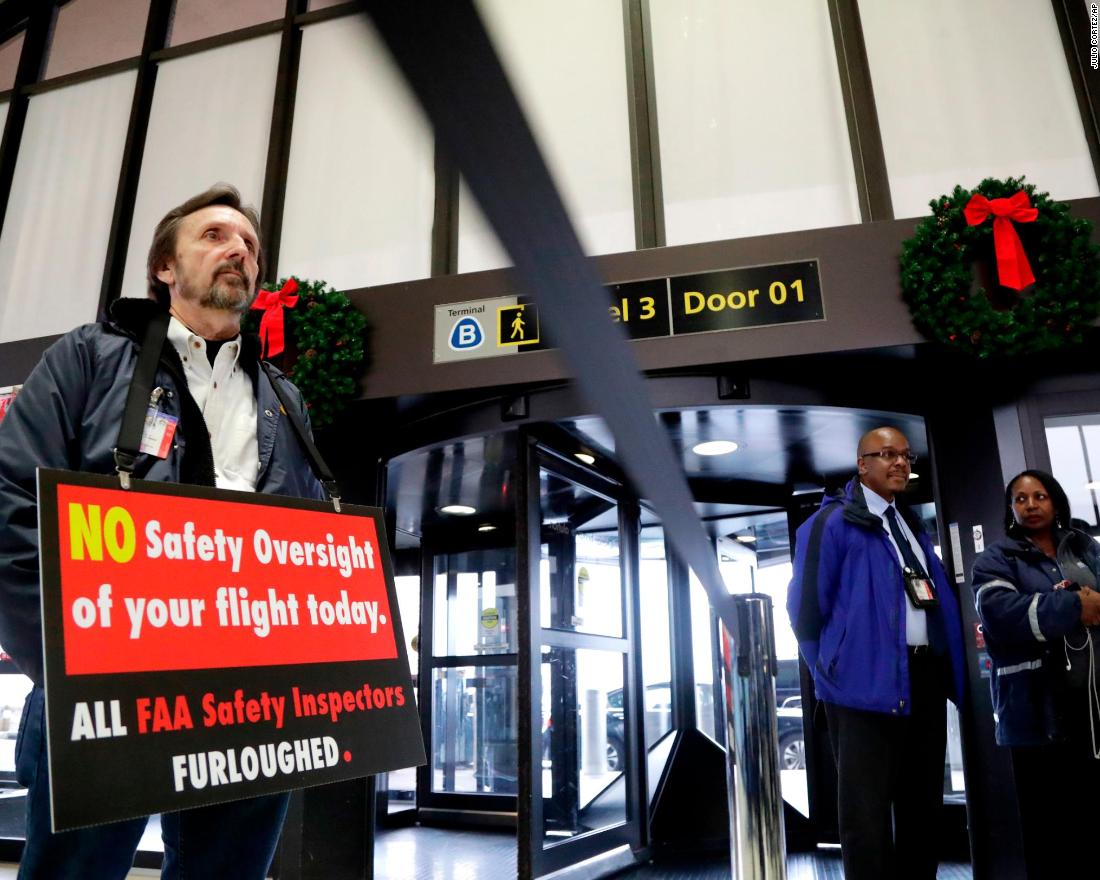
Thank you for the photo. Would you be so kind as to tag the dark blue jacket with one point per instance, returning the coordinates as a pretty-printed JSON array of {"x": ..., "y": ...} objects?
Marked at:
[
  {"x": 847, "y": 606},
  {"x": 1025, "y": 621},
  {"x": 67, "y": 416}
]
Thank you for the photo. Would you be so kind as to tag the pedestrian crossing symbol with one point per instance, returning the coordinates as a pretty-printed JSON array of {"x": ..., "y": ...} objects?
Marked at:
[{"x": 517, "y": 325}]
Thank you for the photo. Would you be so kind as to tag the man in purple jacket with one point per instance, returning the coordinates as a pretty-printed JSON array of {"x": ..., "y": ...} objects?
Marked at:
[{"x": 878, "y": 625}]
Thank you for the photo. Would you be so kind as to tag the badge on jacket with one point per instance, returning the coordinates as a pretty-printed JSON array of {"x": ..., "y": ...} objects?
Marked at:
[
  {"x": 160, "y": 428},
  {"x": 921, "y": 590}
]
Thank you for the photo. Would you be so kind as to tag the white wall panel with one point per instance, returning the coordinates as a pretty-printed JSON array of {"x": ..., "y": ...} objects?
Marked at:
[
  {"x": 360, "y": 186},
  {"x": 210, "y": 122},
  {"x": 54, "y": 240},
  {"x": 751, "y": 120},
  {"x": 566, "y": 61},
  {"x": 972, "y": 90}
]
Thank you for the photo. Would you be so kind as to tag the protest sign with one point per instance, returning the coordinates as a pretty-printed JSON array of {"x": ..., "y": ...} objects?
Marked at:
[{"x": 203, "y": 645}]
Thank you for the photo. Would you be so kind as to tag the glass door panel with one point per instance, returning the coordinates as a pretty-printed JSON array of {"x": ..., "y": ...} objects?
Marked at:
[
  {"x": 469, "y": 691},
  {"x": 474, "y": 737},
  {"x": 581, "y": 581},
  {"x": 583, "y": 742},
  {"x": 586, "y": 770}
]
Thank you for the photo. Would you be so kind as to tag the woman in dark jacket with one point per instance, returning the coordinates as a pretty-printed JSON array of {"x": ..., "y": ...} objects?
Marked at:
[{"x": 1036, "y": 593}]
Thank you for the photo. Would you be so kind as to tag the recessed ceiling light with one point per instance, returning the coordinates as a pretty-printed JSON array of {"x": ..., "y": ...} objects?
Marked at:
[
  {"x": 586, "y": 457},
  {"x": 747, "y": 539},
  {"x": 486, "y": 527},
  {"x": 714, "y": 447},
  {"x": 458, "y": 509}
]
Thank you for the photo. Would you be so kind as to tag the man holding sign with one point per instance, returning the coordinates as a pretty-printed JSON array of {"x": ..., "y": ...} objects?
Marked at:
[{"x": 213, "y": 419}]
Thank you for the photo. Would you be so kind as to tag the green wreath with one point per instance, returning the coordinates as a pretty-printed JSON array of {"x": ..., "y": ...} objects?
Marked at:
[
  {"x": 325, "y": 345},
  {"x": 950, "y": 305}
]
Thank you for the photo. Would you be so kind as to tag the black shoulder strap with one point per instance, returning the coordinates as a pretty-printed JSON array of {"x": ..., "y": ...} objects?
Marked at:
[
  {"x": 320, "y": 468},
  {"x": 128, "y": 445}
]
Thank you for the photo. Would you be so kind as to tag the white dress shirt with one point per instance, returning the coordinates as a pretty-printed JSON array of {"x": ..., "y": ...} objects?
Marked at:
[
  {"x": 225, "y": 396},
  {"x": 916, "y": 621}
]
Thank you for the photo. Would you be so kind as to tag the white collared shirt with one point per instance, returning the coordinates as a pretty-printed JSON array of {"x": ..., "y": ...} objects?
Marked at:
[
  {"x": 916, "y": 622},
  {"x": 225, "y": 396}
]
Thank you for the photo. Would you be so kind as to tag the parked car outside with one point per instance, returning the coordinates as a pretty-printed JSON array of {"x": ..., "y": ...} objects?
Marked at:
[{"x": 792, "y": 739}]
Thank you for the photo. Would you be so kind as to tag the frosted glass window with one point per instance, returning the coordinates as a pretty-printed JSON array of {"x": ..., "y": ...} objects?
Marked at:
[
  {"x": 88, "y": 33},
  {"x": 752, "y": 127},
  {"x": 566, "y": 62},
  {"x": 957, "y": 104},
  {"x": 361, "y": 182},
  {"x": 10, "y": 50},
  {"x": 1074, "y": 446},
  {"x": 54, "y": 240},
  {"x": 210, "y": 122},
  {"x": 196, "y": 19}
]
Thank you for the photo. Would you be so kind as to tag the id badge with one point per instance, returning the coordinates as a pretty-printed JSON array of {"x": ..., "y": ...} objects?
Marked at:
[
  {"x": 921, "y": 590},
  {"x": 156, "y": 436}
]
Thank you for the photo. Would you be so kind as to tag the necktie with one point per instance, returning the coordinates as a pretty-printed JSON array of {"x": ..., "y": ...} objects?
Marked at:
[{"x": 937, "y": 639}]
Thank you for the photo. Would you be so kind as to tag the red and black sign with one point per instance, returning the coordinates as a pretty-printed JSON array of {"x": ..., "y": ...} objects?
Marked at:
[{"x": 205, "y": 646}]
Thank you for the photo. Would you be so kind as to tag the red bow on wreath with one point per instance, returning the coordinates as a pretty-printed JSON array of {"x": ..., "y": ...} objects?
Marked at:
[
  {"x": 273, "y": 323},
  {"x": 1013, "y": 269}
]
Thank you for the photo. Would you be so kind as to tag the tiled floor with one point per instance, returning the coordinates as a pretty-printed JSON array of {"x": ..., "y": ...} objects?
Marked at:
[{"x": 435, "y": 854}]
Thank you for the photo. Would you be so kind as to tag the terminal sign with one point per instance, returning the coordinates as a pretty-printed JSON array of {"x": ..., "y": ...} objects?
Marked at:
[{"x": 729, "y": 299}]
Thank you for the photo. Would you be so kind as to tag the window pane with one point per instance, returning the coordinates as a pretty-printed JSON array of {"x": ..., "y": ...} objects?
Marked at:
[
  {"x": 13, "y": 802},
  {"x": 949, "y": 116},
  {"x": 54, "y": 240},
  {"x": 196, "y": 19},
  {"x": 702, "y": 644},
  {"x": 567, "y": 64},
  {"x": 656, "y": 648},
  {"x": 10, "y": 51},
  {"x": 13, "y": 691},
  {"x": 1074, "y": 446},
  {"x": 581, "y": 583},
  {"x": 583, "y": 751},
  {"x": 360, "y": 186},
  {"x": 475, "y": 603},
  {"x": 408, "y": 603},
  {"x": 210, "y": 122},
  {"x": 474, "y": 730},
  {"x": 752, "y": 127},
  {"x": 88, "y": 33}
]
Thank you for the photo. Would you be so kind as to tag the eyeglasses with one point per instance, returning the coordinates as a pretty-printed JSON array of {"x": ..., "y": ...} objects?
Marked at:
[{"x": 891, "y": 455}]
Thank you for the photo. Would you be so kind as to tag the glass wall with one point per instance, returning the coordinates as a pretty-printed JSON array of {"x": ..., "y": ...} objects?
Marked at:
[
  {"x": 752, "y": 127},
  {"x": 56, "y": 230},
  {"x": 360, "y": 186},
  {"x": 210, "y": 122},
  {"x": 567, "y": 62},
  {"x": 752, "y": 137},
  {"x": 948, "y": 117}
]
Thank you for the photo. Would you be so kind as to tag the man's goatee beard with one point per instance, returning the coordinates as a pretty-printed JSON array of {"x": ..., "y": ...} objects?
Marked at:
[{"x": 228, "y": 299}]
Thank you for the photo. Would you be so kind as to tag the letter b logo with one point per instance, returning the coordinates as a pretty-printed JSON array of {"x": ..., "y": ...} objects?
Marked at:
[{"x": 466, "y": 334}]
